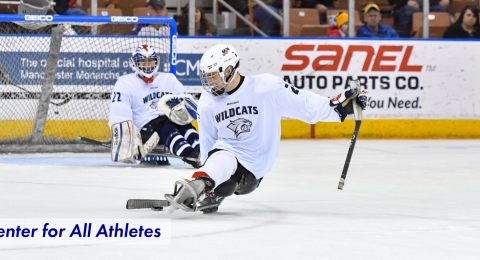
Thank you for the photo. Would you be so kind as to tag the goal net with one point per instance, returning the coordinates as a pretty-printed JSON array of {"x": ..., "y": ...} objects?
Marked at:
[{"x": 57, "y": 73}]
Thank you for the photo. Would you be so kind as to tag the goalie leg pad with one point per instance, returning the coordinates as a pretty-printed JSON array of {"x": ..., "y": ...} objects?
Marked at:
[
  {"x": 126, "y": 142},
  {"x": 151, "y": 143}
]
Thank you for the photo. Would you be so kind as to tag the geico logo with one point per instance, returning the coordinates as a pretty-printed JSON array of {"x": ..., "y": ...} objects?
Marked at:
[
  {"x": 42, "y": 18},
  {"x": 334, "y": 61},
  {"x": 127, "y": 19}
]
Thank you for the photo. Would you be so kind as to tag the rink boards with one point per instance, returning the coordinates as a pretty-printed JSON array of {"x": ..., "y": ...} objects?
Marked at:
[{"x": 417, "y": 89}]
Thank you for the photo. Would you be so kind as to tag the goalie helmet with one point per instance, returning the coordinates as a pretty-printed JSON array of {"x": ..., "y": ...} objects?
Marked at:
[
  {"x": 145, "y": 62},
  {"x": 218, "y": 67}
]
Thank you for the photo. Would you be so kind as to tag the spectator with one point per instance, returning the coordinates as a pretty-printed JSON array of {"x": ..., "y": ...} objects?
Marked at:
[
  {"x": 240, "y": 6},
  {"x": 466, "y": 27},
  {"x": 373, "y": 27},
  {"x": 321, "y": 5},
  {"x": 69, "y": 7},
  {"x": 404, "y": 10},
  {"x": 268, "y": 23},
  {"x": 155, "y": 8},
  {"x": 340, "y": 29},
  {"x": 202, "y": 26}
]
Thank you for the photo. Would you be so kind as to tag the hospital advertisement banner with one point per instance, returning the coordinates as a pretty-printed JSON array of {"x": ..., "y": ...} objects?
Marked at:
[{"x": 405, "y": 79}]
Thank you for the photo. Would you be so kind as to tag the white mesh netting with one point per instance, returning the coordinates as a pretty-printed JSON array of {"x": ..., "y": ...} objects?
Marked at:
[{"x": 91, "y": 58}]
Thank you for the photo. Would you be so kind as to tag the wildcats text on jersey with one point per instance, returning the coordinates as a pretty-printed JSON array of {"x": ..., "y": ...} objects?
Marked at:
[
  {"x": 153, "y": 96},
  {"x": 237, "y": 111}
]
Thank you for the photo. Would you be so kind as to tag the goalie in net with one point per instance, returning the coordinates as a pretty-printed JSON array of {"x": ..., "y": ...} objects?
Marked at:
[{"x": 149, "y": 108}]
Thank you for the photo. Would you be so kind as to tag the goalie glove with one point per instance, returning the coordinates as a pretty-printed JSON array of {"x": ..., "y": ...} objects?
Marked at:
[
  {"x": 342, "y": 103},
  {"x": 181, "y": 111}
]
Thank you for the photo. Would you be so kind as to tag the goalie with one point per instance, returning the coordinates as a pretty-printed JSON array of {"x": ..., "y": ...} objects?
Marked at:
[{"x": 149, "y": 108}]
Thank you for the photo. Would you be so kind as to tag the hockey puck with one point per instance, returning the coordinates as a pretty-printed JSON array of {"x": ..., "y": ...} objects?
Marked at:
[{"x": 157, "y": 208}]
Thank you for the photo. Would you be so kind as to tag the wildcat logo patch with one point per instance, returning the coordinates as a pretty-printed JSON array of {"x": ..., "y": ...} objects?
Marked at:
[
  {"x": 239, "y": 126},
  {"x": 153, "y": 105}
]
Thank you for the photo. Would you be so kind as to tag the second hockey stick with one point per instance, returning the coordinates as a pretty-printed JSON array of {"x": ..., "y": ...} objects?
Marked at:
[
  {"x": 156, "y": 205},
  {"x": 357, "y": 112}
]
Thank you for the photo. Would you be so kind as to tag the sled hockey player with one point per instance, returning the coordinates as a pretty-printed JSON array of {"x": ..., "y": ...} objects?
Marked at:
[
  {"x": 149, "y": 108},
  {"x": 239, "y": 124}
]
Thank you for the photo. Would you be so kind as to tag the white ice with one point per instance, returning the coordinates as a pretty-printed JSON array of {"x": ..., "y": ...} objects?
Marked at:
[{"x": 403, "y": 199}]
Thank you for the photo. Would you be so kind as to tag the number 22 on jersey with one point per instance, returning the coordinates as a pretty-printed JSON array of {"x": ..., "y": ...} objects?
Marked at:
[{"x": 116, "y": 95}]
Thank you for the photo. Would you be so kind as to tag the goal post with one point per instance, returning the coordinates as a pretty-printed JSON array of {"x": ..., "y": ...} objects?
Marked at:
[{"x": 57, "y": 74}]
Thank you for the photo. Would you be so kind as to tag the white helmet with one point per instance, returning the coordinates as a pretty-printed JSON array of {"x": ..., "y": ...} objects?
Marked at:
[
  {"x": 213, "y": 66},
  {"x": 145, "y": 71}
]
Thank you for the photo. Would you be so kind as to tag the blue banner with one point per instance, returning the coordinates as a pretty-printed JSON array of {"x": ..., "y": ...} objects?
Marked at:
[
  {"x": 73, "y": 68},
  {"x": 188, "y": 69}
]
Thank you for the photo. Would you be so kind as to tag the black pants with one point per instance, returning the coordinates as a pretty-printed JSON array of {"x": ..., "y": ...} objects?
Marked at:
[
  {"x": 152, "y": 126},
  {"x": 242, "y": 182}
]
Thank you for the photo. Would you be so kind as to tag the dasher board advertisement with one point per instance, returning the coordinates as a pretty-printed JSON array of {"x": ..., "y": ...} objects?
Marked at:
[{"x": 406, "y": 79}]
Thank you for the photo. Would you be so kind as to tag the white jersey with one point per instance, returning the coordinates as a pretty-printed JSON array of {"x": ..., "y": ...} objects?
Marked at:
[
  {"x": 133, "y": 99},
  {"x": 247, "y": 121}
]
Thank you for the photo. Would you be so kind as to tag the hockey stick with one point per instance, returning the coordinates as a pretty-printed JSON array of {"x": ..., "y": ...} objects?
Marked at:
[
  {"x": 357, "y": 112},
  {"x": 156, "y": 205},
  {"x": 154, "y": 152},
  {"x": 91, "y": 141}
]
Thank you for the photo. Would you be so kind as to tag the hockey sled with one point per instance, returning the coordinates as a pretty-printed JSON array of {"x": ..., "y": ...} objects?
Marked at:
[
  {"x": 173, "y": 202},
  {"x": 160, "y": 150}
]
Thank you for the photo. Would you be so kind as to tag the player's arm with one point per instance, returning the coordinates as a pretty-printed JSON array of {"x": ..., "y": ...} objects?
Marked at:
[
  {"x": 310, "y": 107},
  {"x": 206, "y": 129}
]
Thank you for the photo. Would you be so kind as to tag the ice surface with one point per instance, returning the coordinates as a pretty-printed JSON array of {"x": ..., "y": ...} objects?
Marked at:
[{"x": 403, "y": 199}]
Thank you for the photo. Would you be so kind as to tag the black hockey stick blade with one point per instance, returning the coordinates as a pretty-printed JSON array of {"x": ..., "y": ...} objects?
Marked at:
[
  {"x": 357, "y": 110},
  {"x": 91, "y": 141},
  {"x": 147, "y": 204}
]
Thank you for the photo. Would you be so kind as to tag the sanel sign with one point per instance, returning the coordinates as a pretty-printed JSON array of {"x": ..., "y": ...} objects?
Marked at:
[{"x": 335, "y": 60}]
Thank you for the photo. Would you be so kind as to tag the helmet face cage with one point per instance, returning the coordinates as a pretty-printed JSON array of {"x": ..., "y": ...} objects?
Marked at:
[
  {"x": 215, "y": 82},
  {"x": 145, "y": 61},
  {"x": 146, "y": 65}
]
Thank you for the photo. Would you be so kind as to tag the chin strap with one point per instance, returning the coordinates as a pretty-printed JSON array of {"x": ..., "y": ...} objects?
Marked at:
[{"x": 147, "y": 80}]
